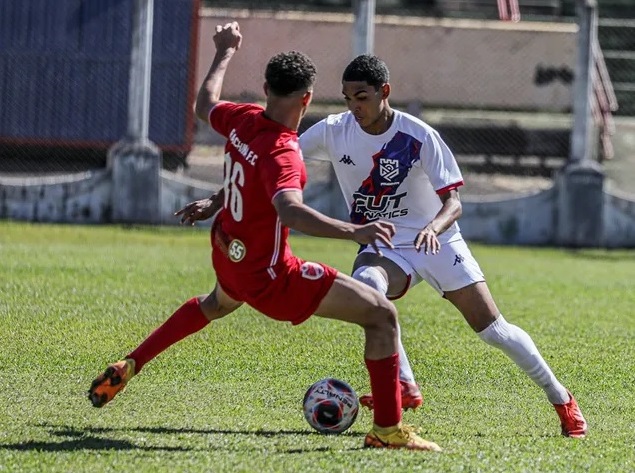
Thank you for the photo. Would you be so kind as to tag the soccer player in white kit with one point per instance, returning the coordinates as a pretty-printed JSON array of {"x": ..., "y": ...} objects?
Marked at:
[{"x": 392, "y": 166}]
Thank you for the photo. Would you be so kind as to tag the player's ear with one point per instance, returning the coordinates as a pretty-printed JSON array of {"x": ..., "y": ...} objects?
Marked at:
[
  {"x": 306, "y": 98},
  {"x": 265, "y": 87},
  {"x": 385, "y": 91}
]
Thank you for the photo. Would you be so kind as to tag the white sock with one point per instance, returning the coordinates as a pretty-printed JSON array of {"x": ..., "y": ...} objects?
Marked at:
[
  {"x": 372, "y": 277},
  {"x": 519, "y": 346},
  {"x": 405, "y": 371}
]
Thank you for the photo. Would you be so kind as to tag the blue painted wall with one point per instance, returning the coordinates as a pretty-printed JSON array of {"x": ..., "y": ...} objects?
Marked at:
[{"x": 64, "y": 68}]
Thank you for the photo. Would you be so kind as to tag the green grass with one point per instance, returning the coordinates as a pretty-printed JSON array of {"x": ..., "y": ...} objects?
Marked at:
[{"x": 228, "y": 399}]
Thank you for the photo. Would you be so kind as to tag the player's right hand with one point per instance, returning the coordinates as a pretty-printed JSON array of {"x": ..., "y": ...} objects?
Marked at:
[
  {"x": 371, "y": 233},
  {"x": 228, "y": 37},
  {"x": 199, "y": 210}
]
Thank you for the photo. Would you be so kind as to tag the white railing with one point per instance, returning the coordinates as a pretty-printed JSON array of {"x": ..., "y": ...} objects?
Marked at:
[
  {"x": 508, "y": 10},
  {"x": 604, "y": 101}
]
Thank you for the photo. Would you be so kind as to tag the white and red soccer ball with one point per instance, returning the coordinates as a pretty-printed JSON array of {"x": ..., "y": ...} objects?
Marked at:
[{"x": 330, "y": 406}]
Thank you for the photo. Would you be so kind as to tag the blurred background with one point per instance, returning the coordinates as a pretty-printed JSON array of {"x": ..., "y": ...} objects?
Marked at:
[{"x": 499, "y": 92}]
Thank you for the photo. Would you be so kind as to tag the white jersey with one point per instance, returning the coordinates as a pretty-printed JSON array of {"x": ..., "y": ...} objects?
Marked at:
[{"x": 395, "y": 176}]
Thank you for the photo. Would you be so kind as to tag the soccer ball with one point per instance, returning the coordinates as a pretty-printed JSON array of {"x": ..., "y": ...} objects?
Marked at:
[{"x": 330, "y": 406}]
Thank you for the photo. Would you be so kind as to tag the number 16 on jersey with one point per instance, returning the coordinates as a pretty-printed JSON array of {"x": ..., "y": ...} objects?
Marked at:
[{"x": 232, "y": 184}]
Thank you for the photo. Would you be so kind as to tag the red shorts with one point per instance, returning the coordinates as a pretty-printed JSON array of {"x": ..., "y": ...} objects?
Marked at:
[{"x": 292, "y": 296}]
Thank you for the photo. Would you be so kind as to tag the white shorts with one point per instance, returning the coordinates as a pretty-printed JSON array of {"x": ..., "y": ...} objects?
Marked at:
[{"x": 452, "y": 268}]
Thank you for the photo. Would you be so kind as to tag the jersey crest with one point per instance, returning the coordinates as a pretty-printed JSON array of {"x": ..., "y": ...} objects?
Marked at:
[
  {"x": 312, "y": 271},
  {"x": 388, "y": 168}
]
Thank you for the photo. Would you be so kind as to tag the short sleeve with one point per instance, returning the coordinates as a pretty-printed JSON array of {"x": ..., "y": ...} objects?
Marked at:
[
  {"x": 313, "y": 142},
  {"x": 223, "y": 116},
  {"x": 282, "y": 171},
  {"x": 439, "y": 164}
]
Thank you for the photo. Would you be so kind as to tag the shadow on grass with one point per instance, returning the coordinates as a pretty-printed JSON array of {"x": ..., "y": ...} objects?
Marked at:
[
  {"x": 91, "y": 438},
  {"x": 86, "y": 443},
  {"x": 68, "y": 431}
]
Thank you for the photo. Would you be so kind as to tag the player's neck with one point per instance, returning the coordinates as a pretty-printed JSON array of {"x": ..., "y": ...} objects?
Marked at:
[
  {"x": 382, "y": 123},
  {"x": 284, "y": 114}
]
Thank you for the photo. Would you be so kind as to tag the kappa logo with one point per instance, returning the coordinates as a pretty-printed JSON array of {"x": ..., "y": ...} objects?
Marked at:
[
  {"x": 236, "y": 250},
  {"x": 458, "y": 259},
  {"x": 346, "y": 159},
  {"x": 312, "y": 271},
  {"x": 388, "y": 168}
]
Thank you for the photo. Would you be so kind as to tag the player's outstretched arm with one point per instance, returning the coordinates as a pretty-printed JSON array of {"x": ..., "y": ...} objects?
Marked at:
[
  {"x": 227, "y": 40},
  {"x": 295, "y": 214},
  {"x": 201, "y": 209}
]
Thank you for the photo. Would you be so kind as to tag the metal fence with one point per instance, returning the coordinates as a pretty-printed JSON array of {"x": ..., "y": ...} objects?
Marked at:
[{"x": 499, "y": 93}]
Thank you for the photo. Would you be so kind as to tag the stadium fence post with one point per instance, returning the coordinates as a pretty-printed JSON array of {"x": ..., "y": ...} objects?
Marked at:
[
  {"x": 580, "y": 215},
  {"x": 135, "y": 161}
]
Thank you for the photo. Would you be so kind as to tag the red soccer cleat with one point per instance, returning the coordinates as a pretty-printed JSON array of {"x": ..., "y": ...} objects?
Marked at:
[
  {"x": 571, "y": 418},
  {"x": 411, "y": 397}
]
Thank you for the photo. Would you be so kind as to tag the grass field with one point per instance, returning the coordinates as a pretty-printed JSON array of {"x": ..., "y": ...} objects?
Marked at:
[{"x": 228, "y": 399}]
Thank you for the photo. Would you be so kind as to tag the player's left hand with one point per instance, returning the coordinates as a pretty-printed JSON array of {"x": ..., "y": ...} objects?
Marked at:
[
  {"x": 200, "y": 209},
  {"x": 427, "y": 238}
]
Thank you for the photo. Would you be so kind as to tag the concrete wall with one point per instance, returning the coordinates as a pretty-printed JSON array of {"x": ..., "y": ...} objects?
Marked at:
[
  {"x": 530, "y": 219},
  {"x": 462, "y": 63},
  {"x": 176, "y": 191},
  {"x": 87, "y": 197},
  {"x": 619, "y": 220},
  {"x": 76, "y": 198}
]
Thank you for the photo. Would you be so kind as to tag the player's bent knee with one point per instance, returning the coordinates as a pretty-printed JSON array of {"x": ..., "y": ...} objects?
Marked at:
[
  {"x": 372, "y": 277},
  {"x": 217, "y": 304},
  {"x": 383, "y": 316}
]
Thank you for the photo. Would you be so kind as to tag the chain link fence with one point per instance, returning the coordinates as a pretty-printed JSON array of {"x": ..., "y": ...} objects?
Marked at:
[
  {"x": 499, "y": 93},
  {"x": 65, "y": 81}
]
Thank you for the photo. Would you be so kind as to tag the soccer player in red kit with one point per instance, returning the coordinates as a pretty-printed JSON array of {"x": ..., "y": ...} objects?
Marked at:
[{"x": 263, "y": 179}]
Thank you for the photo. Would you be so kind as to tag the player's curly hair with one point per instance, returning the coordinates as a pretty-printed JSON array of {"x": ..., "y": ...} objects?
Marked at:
[
  {"x": 367, "y": 68},
  {"x": 289, "y": 72}
]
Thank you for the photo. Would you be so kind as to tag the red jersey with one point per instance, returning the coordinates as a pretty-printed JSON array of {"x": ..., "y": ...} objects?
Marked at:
[{"x": 262, "y": 159}]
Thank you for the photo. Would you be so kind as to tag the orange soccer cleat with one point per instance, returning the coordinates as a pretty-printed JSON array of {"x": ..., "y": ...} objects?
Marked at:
[
  {"x": 399, "y": 436},
  {"x": 106, "y": 386},
  {"x": 411, "y": 397},
  {"x": 571, "y": 418}
]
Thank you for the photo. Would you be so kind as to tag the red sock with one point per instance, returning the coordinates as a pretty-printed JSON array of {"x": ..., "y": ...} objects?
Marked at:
[
  {"x": 187, "y": 319},
  {"x": 384, "y": 385}
]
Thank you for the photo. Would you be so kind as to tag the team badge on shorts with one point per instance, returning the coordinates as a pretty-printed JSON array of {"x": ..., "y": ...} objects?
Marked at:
[
  {"x": 311, "y": 270},
  {"x": 236, "y": 250}
]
